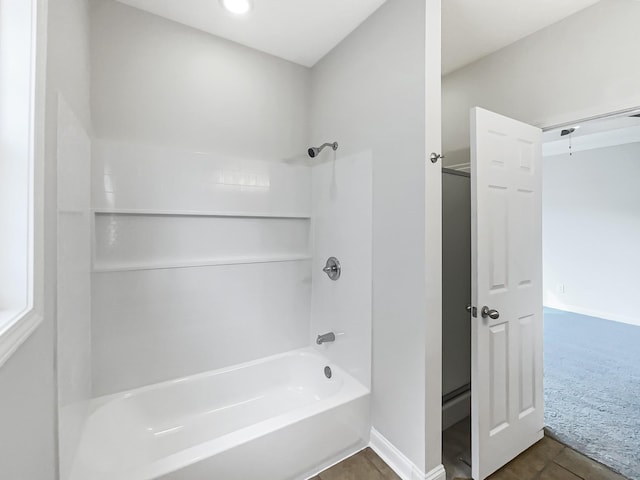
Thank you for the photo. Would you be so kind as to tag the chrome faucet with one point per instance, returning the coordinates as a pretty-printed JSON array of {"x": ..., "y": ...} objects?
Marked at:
[{"x": 326, "y": 337}]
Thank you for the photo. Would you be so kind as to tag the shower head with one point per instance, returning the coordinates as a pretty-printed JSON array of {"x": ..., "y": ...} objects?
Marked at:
[{"x": 314, "y": 151}]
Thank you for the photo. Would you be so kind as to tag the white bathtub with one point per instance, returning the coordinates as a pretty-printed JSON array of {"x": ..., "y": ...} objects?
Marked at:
[{"x": 277, "y": 418}]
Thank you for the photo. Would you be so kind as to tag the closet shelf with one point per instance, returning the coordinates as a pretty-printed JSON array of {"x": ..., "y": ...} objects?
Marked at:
[
  {"x": 196, "y": 213},
  {"x": 101, "y": 268}
]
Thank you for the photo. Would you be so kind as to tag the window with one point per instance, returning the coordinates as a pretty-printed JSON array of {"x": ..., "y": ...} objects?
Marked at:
[{"x": 21, "y": 152}]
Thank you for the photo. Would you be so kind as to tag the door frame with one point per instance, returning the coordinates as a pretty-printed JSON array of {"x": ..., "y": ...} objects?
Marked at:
[
  {"x": 433, "y": 468},
  {"x": 433, "y": 199},
  {"x": 597, "y": 116}
]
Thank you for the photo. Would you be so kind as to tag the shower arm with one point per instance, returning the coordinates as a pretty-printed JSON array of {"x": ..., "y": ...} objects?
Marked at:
[{"x": 333, "y": 145}]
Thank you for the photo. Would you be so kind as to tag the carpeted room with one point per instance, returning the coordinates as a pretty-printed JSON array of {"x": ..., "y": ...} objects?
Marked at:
[
  {"x": 591, "y": 229},
  {"x": 592, "y": 386}
]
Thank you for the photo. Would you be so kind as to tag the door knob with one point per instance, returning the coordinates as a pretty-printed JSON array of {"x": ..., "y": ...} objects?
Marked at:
[{"x": 486, "y": 312}]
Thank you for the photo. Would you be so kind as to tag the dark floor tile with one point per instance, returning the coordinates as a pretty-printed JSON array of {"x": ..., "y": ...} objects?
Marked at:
[
  {"x": 503, "y": 474},
  {"x": 382, "y": 467},
  {"x": 357, "y": 467},
  {"x": 523, "y": 470},
  {"x": 457, "y": 438},
  {"x": 455, "y": 467},
  {"x": 585, "y": 467},
  {"x": 554, "y": 471},
  {"x": 546, "y": 460},
  {"x": 456, "y": 450},
  {"x": 530, "y": 463}
]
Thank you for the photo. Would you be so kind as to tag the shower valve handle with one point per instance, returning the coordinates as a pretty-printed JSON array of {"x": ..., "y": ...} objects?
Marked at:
[{"x": 332, "y": 268}]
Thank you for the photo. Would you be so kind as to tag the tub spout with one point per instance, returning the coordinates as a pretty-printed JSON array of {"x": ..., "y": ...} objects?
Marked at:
[{"x": 326, "y": 337}]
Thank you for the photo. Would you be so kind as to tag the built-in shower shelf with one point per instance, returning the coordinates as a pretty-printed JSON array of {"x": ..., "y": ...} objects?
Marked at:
[
  {"x": 203, "y": 263},
  {"x": 69, "y": 211},
  {"x": 199, "y": 213}
]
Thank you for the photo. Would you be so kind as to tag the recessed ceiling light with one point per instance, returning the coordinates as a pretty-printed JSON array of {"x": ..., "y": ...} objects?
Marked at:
[{"x": 237, "y": 7}]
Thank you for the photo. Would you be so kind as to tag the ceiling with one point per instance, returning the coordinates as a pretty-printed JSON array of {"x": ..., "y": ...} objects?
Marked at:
[
  {"x": 303, "y": 31},
  {"x": 472, "y": 29},
  {"x": 297, "y": 30}
]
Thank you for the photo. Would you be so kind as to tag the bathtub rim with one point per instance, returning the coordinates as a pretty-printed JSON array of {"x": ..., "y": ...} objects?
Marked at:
[
  {"x": 309, "y": 351},
  {"x": 351, "y": 390}
]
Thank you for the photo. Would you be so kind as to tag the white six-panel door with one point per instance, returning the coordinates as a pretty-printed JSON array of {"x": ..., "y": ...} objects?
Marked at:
[{"x": 507, "y": 391}]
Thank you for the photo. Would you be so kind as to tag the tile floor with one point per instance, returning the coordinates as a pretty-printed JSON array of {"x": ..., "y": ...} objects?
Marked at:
[
  {"x": 551, "y": 460},
  {"x": 364, "y": 465},
  {"x": 546, "y": 460}
]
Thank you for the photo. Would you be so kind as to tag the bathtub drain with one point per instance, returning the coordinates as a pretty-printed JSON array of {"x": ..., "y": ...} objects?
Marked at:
[{"x": 327, "y": 371}]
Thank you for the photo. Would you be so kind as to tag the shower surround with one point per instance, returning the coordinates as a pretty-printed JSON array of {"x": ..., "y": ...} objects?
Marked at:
[
  {"x": 210, "y": 229},
  {"x": 208, "y": 293},
  {"x": 201, "y": 261}
]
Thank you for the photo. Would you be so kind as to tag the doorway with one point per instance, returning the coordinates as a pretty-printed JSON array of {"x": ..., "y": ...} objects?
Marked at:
[
  {"x": 582, "y": 352},
  {"x": 505, "y": 272},
  {"x": 591, "y": 212},
  {"x": 456, "y": 328}
]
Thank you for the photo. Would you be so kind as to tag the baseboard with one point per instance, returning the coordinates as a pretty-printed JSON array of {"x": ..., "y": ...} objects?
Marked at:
[
  {"x": 456, "y": 410},
  {"x": 437, "y": 473},
  {"x": 399, "y": 463},
  {"x": 592, "y": 313}
]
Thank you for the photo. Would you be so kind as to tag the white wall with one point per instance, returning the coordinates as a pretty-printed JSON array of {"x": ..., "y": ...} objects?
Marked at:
[
  {"x": 73, "y": 282},
  {"x": 201, "y": 260},
  {"x": 579, "y": 67},
  {"x": 27, "y": 410},
  {"x": 341, "y": 218},
  {"x": 157, "y": 82},
  {"x": 68, "y": 156},
  {"x": 369, "y": 95},
  {"x": 28, "y": 444},
  {"x": 591, "y": 230}
]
